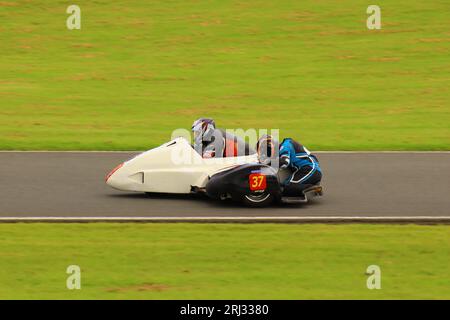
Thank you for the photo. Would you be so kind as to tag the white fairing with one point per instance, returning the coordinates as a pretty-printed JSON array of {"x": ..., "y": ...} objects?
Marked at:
[{"x": 174, "y": 167}]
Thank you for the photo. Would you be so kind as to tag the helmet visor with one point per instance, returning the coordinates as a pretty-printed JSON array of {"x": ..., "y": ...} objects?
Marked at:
[
  {"x": 198, "y": 133},
  {"x": 266, "y": 151}
]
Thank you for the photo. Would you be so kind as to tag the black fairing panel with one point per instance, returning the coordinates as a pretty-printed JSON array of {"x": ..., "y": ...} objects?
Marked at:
[{"x": 236, "y": 181}]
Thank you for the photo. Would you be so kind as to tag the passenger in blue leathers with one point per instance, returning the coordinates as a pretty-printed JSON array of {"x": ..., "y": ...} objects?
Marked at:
[{"x": 304, "y": 166}]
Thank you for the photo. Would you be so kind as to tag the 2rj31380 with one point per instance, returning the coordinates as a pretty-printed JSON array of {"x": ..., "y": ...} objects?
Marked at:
[{"x": 245, "y": 309}]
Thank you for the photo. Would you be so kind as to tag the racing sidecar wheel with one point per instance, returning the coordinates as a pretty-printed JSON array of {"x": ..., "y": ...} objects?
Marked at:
[{"x": 257, "y": 200}]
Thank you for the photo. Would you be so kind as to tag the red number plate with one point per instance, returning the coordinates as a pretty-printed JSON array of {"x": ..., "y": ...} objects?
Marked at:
[{"x": 257, "y": 181}]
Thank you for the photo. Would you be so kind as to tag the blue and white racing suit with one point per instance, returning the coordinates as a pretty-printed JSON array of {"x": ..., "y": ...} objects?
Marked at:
[{"x": 304, "y": 166}]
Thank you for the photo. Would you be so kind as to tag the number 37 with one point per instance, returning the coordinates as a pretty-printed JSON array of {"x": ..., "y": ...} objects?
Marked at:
[{"x": 257, "y": 182}]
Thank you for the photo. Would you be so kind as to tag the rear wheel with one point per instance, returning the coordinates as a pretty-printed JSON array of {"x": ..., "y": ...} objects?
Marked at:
[{"x": 258, "y": 200}]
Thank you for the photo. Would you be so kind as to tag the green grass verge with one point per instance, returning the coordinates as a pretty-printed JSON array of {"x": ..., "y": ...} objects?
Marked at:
[
  {"x": 138, "y": 69},
  {"x": 223, "y": 261}
]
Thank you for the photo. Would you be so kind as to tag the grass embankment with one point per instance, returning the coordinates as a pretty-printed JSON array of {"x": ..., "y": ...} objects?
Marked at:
[
  {"x": 137, "y": 70},
  {"x": 223, "y": 261}
]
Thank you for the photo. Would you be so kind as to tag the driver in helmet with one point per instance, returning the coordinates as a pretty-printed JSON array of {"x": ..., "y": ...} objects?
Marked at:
[
  {"x": 211, "y": 142},
  {"x": 291, "y": 155}
]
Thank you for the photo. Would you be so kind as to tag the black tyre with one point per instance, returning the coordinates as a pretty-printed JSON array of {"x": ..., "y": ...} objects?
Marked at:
[{"x": 257, "y": 200}]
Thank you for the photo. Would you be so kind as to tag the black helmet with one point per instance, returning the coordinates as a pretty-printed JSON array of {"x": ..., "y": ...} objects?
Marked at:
[
  {"x": 267, "y": 149},
  {"x": 203, "y": 130}
]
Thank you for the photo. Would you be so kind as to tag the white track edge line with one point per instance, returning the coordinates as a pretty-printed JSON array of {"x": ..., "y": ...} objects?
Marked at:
[{"x": 307, "y": 218}]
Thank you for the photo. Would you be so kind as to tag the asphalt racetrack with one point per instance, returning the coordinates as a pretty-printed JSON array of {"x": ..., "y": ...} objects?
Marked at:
[{"x": 71, "y": 184}]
